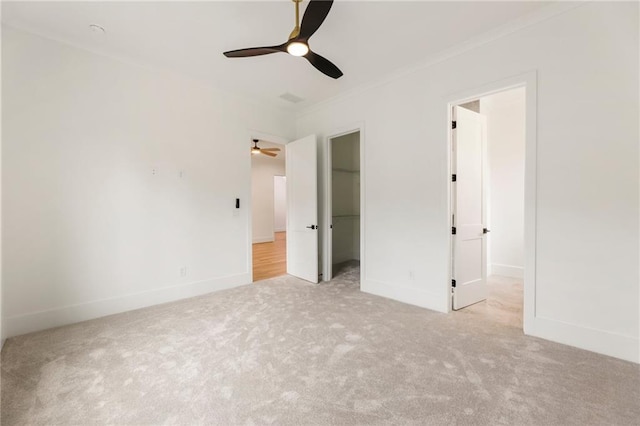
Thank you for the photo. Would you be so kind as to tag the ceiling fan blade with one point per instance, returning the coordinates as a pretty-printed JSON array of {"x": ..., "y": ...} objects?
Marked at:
[
  {"x": 254, "y": 51},
  {"x": 314, "y": 16},
  {"x": 270, "y": 149},
  {"x": 270, "y": 154},
  {"x": 323, "y": 65}
]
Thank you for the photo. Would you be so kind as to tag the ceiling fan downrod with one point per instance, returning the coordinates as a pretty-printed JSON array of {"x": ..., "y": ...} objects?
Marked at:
[{"x": 296, "y": 30}]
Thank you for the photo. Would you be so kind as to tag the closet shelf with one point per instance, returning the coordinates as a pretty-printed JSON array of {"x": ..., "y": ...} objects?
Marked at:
[
  {"x": 345, "y": 170},
  {"x": 347, "y": 215}
]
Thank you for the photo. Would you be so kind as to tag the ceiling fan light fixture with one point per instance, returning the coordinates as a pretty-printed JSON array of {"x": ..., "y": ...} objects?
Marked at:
[
  {"x": 255, "y": 150},
  {"x": 297, "y": 48}
]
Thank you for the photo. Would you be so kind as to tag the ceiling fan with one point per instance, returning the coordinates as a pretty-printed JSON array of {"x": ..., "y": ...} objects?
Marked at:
[
  {"x": 298, "y": 43},
  {"x": 255, "y": 149}
]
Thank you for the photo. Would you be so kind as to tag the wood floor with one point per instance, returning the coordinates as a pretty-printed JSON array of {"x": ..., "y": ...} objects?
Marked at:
[{"x": 270, "y": 259}]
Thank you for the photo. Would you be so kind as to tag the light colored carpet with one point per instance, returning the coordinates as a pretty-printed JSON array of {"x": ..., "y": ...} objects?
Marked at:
[{"x": 287, "y": 352}]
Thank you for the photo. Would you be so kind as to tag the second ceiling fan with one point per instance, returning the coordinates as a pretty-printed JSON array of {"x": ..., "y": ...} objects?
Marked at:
[
  {"x": 298, "y": 43},
  {"x": 270, "y": 152}
]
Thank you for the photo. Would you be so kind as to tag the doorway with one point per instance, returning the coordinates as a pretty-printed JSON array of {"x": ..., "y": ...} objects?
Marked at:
[
  {"x": 488, "y": 205},
  {"x": 268, "y": 201},
  {"x": 343, "y": 208}
]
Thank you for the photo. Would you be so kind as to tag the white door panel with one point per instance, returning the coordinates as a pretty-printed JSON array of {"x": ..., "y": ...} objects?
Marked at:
[
  {"x": 302, "y": 208},
  {"x": 469, "y": 209}
]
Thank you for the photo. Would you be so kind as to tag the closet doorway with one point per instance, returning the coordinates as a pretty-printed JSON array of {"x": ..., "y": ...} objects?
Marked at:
[{"x": 343, "y": 248}]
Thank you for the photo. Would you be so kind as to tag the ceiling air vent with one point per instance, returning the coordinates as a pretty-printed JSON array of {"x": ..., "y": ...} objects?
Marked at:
[{"x": 291, "y": 97}]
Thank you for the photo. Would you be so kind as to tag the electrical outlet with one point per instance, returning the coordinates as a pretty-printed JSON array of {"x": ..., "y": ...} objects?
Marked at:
[{"x": 183, "y": 272}]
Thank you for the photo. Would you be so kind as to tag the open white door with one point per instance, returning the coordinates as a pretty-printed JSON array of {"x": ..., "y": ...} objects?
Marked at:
[
  {"x": 469, "y": 208},
  {"x": 302, "y": 208}
]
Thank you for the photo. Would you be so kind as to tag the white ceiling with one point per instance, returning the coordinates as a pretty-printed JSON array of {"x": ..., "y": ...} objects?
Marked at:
[{"x": 367, "y": 40}]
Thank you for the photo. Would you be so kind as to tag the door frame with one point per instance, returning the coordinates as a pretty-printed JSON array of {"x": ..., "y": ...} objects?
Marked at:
[
  {"x": 328, "y": 197},
  {"x": 255, "y": 134},
  {"x": 529, "y": 82}
]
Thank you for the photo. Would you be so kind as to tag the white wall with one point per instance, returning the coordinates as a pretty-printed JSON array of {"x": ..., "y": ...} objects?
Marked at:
[
  {"x": 279, "y": 203},
  {"x": 263, "y": 169},
  {"x": 587, "y": 278},
  {"x": 2, "y": 338},
  {"x": 505, "y": 114},
  {"x": 89, "y": 228}
]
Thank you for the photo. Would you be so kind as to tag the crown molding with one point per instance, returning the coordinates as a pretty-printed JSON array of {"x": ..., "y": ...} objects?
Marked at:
[
  {"x": 497, "y": 33},
  {"x": 167, "y": 72}
]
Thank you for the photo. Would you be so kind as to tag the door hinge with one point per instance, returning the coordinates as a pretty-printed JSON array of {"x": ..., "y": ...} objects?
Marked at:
[
  {"x": 453, "y": 178},
  {"x": 453, "y": 230},
  {"x": 453, "y": 283},
  {"x": 454, "y": 124}
]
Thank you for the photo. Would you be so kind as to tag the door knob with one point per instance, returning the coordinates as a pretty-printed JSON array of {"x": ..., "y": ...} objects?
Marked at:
[
  {"x": 485, "y": 230},
  {"x": 311, "y": 227}
]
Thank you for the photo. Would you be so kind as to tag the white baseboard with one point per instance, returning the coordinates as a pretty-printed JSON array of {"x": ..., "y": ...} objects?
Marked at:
[
  {"x": 507, "y": 270},
  {"x": 405, "y": 294},
  {"x": 280, "y": 229},
  {"x": 36, "y": 321},
  {"x": 263, "y": 240},
  {"x": 599, "y": 341}
]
